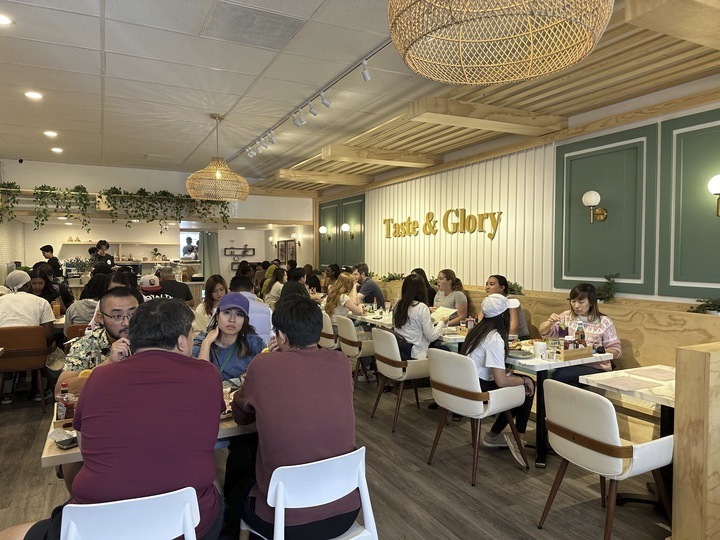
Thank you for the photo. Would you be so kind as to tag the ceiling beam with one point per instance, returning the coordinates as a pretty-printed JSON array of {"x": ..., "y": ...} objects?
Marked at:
[
  {"x": 317, "y": 177},
  {"x": 277, "y": 192},
  {"x": 379, "y": 156},
  {"x": 449, "y": 112},
  {"x": 690, "y": 20}
]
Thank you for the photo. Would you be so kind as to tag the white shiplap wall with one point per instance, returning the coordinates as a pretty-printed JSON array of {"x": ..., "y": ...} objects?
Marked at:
[
  {"x": 12, "y": 245},
  {"x": 520, "y": 185}
]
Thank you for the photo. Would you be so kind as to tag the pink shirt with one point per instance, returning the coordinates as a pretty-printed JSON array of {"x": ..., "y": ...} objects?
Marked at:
[{"x": 601, "y": 331}]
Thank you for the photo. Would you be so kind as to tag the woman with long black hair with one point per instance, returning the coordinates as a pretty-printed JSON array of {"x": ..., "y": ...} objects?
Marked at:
[
  {"x": 487, "y": 345},
  {"x": 411, "y": 319}
]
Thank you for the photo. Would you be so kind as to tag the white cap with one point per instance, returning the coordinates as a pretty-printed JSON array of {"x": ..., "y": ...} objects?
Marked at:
[
  {"x": 495, "y": 304},
  {"x": 16, "y": 279}
]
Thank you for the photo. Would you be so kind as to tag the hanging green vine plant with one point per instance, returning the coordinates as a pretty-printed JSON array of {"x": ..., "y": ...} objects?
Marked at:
[
  {"x": 43, "y": 195},
  {"x": 161, "y": 206},
  {"x": 9, "y": 193}
]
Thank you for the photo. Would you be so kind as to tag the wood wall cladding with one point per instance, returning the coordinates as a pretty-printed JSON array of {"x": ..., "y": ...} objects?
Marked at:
[{"x": 518, "y": 185}]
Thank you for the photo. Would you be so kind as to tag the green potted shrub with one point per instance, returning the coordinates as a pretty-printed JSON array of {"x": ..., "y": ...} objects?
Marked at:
[
  {"x": 606, "y": 291},
  {"x": 711, "y": 306}
]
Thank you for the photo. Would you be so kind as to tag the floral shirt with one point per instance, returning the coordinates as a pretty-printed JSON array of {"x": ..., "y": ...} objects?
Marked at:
[
  {"x": 597, "y": 332},
  {"x": 88, "y": 351}
]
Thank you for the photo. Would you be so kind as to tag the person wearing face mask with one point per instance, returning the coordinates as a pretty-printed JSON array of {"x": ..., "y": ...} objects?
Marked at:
[
  {"x": 599, "y": 330},
  {"x": 497, "y": 284}
]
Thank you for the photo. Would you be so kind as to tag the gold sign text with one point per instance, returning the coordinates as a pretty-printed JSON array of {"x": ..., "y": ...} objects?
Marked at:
[{"x": 454, "y": 221}]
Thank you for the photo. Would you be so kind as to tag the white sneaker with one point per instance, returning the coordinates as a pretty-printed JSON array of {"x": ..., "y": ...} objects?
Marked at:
[
  {"x": 514, "y": 450},
  {"x": 370, "y": 377},
  {"x": 494, "y": 441}
]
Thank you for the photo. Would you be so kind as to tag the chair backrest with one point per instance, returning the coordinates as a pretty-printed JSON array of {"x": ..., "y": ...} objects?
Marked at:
[
  {"x": 387, "y": 354},
  {"x": 157, "y": 517},
  {"x": 328, "y": 339},
  {"x": 331, "y": 479},
  {"x": 347, "y": 335},
  {"x": 76, "y": 330},
  {"x": 25, "y": 348},
  {"x": 583, "y": 428}
]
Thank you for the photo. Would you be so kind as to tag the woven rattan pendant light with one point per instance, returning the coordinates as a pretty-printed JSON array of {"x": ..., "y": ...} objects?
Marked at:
[
  {"x": 217, "y": 181},
  {"x": 482, "y": 42}
]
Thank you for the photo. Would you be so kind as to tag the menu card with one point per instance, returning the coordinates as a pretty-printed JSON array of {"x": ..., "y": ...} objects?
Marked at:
[
  {"x": 658, "y": 374},
  {"x": 442, "y": 313}
]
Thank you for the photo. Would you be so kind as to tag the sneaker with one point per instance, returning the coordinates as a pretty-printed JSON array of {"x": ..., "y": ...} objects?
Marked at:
[
  {"x": 48, "y": 395},
  {"x": 370, "y": 377},
  {"x": 433, "y": 406},
  {"x": 514, "y": 450},
  {"x": 7, "y": 399},
  {"x": 494, "y": 441},
  {"x": 456, "y": 417}
]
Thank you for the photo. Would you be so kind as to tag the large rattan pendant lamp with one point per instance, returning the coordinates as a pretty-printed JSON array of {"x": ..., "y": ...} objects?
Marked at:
[
  {"x": 482, "y": 42},
  {"x": 217, "y": 181}
]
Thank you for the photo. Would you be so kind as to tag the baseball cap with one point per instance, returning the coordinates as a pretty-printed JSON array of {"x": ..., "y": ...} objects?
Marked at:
[
  {"x": 16, "y": 279},
  {"x": 150, "y": 283},
  {"x": 235, "y": 300},
  {"x": 496, "y": 304}
]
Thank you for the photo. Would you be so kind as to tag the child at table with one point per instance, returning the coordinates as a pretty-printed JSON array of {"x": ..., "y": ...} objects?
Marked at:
[{"x": 599, "y": 330}]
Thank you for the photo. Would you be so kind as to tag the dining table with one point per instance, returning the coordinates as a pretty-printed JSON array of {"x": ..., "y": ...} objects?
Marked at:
[
  {"x": 654, "y": 384},
  {"x": 52, "y": 455},
  {"x": 541, "y": 369}
]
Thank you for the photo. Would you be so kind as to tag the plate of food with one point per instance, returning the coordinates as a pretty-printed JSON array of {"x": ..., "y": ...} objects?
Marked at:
[{"x": 520, "y": 354}]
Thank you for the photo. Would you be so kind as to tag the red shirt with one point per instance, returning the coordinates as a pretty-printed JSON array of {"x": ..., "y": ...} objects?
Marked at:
[
  {"x": 302, "y": 401},
  {"x": 149, "y": 426}
]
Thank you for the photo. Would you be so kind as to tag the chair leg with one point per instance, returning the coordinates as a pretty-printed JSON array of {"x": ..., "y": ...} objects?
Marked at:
[
  {"x": 362, "y": 365},
  {"x": 610, "y": 509},
  {"x": 356, "y": 371},
  {"x": 417, "y": 399},
  {"x": 41, "y": 389},
  {"x": 663, "y": 494},
  {"x": 602, "y": 491},
  {"x": 397, "y": 404},
  {"x": 441, "y": 425},
  {"x": 381, "y": 387},
  {"x": 553, "y": 490},
  {"x": 475, "y": 425},
  {"x": 373, "y": 366},
  {"x": 516, "y": 434}
]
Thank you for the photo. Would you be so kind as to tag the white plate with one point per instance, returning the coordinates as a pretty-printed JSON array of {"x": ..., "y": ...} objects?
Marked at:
[{"x": 520, "y": 354}]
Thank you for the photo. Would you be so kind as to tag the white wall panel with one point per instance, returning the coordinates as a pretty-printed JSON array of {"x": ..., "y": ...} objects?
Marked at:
[{"x": 520, "y": 185}]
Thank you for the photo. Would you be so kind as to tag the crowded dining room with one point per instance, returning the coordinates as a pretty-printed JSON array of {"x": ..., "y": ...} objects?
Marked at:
[{"x": 449, "y": 265}]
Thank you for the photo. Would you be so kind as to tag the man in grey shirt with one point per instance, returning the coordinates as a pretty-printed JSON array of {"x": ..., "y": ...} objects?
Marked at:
[{"x": 369, "y": 292}]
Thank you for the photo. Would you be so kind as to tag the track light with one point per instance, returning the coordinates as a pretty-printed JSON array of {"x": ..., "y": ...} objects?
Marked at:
[
  {"x": 311, "y": 109},
  {"x": 324, "y": 100},
  {"x": 365, "y": 73},
  {"x": 272, "y": 138},
  {"x": 301, "y": 116},
  {"x": 259, "y": 147},
  {"x": 265, "y": 143}
]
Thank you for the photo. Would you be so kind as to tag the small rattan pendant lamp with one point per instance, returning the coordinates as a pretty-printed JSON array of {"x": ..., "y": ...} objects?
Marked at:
[
  {"x": 483, "y": 42},
  {"x": 217, "y": 181}
]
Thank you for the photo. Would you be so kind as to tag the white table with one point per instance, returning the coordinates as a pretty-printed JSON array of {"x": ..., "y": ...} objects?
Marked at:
[
  {"x": 383, "y": 319},
  {"x": 541, "y": 368},
  {"x": 653, "y": 384},
  {"x": 52, "y": 455}
]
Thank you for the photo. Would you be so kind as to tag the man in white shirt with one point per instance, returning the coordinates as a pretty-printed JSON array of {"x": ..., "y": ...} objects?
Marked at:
[
  {"x": 22, "y": 308},
  {"x": 260, "y": 313}
]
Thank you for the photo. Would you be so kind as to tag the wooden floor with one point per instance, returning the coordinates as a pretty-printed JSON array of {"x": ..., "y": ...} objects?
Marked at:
[{"x": 410, "y": 498}]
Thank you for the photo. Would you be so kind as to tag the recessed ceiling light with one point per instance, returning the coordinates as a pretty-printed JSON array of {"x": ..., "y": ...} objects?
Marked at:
[
  {"x": 240, "y": 228},
  {"x": 62, "y": 217},
  {"x": 68, "y": 223},
  {"x": 5, "y": 20},
  {"x": 33, "y": 95},
  {"x": 57, "y": 150},
  {"x": 135, "y": 221},
  {"x": 51, "y": 134}
]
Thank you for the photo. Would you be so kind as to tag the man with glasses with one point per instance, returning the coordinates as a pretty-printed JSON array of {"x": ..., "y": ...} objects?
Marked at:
[{"x": 107, "y": 343}]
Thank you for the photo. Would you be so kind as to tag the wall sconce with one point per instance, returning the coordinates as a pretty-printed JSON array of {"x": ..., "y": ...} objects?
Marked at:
[
  {"x": 714, "y": 188},
  {"x": 272, "y": 241},
  {"x": 324, "y": 230},
  {"x": 295, "y": 237},
  {"x": 346, "y": 228},
  {"x": 591, "y": 199}
]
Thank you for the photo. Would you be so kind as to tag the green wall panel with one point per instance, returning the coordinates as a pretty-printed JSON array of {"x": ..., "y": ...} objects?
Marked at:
[
  {"x": 690, "y": 229},
  {"x": 340, "y": 248},
  {"x": 621, "y": 167}
]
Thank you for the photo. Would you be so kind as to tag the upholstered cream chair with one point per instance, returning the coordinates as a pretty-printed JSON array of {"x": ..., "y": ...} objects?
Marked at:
[
  {"x": 583, "y": 429},
  {"x": 394, "y": 368},
  {"x": 354, "y": 346},
  {"x": 456, "y": 388},
  {"x": 328, "y": 337}
]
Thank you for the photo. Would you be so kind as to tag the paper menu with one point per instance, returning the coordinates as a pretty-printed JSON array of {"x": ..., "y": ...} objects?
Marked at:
[
  {"x": 656, "y": 373},
  {"x": 442, "y": 313},
  {"x": 629, "y": 384}
]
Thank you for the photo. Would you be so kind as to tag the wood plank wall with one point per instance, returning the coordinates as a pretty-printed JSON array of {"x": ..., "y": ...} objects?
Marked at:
[{"x": 520, "y": 185}]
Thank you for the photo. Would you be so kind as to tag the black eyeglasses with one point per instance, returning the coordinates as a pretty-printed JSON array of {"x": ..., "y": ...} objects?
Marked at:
[{"x": 120, "y": 316}]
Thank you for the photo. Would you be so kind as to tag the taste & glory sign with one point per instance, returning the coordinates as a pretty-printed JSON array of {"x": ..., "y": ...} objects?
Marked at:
[{"x": 455, "y": 220}]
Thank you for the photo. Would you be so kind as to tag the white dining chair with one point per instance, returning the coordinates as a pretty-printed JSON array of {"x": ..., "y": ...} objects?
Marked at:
[
  {"x": 456, "y": 388},
  {"x": 583, "y": 429},
  {"x": 392, "y": 367},
  {"x": 158, "y": 517},
  {"x": 354, "y": 346},
  {"x": 328, "y": 337},
  {"x": 331, "y": 479}
]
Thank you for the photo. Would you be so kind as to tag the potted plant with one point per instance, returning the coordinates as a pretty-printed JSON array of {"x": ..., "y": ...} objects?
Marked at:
[
  {"x": 606, "y": 291},
  {"x": 82, "y": 266},
  {"x": 515, "y": 288},
  {"x": 711, "y": 306}
]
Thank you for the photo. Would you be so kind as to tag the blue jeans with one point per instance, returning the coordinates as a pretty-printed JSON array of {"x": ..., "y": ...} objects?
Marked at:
[{"x": 570, "y": 375}]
